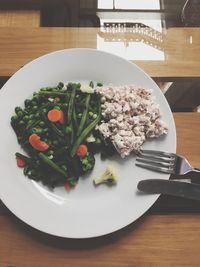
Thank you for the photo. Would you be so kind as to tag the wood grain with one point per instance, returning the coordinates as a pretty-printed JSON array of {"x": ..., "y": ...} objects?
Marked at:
[
  {"x": 188, "y": 129},
  {"x": 34, "y": 4},
  {"x": 155, "y": 240},
  {"x": 19, "y": 18},
  {"x": 180, "y": 47}
]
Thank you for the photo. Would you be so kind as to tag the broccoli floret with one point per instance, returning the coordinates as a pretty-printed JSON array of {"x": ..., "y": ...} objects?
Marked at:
[
  {"x": 87, "y": 162},
  {"x": 109, "y": 176},
  {"x": 90, "y": 139}
]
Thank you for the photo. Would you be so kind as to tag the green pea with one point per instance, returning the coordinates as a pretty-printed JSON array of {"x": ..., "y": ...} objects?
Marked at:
[
  {"x": 27, "y": 102},
  {"x": 37, "y": 130},
  {"x": 37, "y": 115},
  {"x": 55, "y": 143},
  {"x": 32, "y": 116},
  {"x": 60, "y": 85},
  {"x": 68, "y": 129},
  {"x": 94, "y": 116},
  {"x": 17, "y": 109},
  {"x": 42, "y": 124},
  {"x": 35, "y": 108},
  {"x": 72, "y": 182},
  {"x": 57, "y": 107},
  {"x": 33, "y": 103},
  {"x": 50, "y": 152},
  {"x": 14, "y": 118},
  {"x": 21, "y": 123},
  {"x": 26, "y": 118},
  {"x": 79, "y": 116},
  {"x": 20, "y": 113},
  {"x": 99, "y": 84},
  {"x": 64, "y": 167},
  {"x": 98, "y": 141},
  {"x": 91, "y": 114}
]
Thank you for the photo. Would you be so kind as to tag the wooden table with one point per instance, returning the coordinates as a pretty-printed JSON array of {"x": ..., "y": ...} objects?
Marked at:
[
  {"x": 180, "y": 47},
  {"x": 169, "y": 234}
]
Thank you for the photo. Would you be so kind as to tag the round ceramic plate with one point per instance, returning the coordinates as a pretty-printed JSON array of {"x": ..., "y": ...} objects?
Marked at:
[{"x": 86, "y": 211}]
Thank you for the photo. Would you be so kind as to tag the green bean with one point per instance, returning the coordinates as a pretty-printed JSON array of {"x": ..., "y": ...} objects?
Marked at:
[
  {"x": 71, "y": 103},
  {"x": 85, "y": 132},
  {"x": 84, "y": 116},
  {"x": 52, "y": 93},
  {"x": 56, "y": 130},
  {"x": 48, "y": 88},
  {"x": 32, "y": 123},
  {"x": 75, "y": 118},
  {"x": 72, "y": 133},
  {"x": 19, "y": 155},
  {"x": 51, "y": 164}
]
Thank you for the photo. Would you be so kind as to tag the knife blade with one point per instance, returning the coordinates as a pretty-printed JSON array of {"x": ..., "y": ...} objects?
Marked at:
[{"x": 170, "y": 187}]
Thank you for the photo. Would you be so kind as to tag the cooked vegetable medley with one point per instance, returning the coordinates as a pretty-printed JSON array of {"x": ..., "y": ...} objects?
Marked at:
[
  {"x": 62, "y": 127},
  {"x": 55, "y": 129}
]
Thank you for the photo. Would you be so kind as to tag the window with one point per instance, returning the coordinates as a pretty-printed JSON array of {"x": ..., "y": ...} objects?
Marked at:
[{"x": 129, "y": 4}]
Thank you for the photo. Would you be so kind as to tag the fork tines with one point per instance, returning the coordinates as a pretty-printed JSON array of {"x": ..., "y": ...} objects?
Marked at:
[{"x": 156, "y": 161}]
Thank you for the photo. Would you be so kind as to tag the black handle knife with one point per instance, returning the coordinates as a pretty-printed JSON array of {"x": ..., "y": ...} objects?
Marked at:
[{"x": 170, "y": 187}]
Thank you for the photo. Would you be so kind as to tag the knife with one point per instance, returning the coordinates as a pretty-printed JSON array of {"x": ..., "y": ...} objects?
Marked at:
[{"x": 170, "y": 187}]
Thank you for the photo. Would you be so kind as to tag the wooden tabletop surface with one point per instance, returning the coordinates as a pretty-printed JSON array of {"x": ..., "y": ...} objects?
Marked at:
[
  {"x": 169, "y": 233},
  {"x": 175, "y": 51}
]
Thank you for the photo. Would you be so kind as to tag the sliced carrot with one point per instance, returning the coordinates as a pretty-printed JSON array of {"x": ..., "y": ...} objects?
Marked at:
[
  {"x": 34, "y": 140},
  {"x": 41, "y": 146},
  {"x": 20, "y": 162},
  {"x": 62, "y": 118},
  {"x": 67, "y": 186},
  {"x": 54, "y": 115},
  {"x": 81, "y": 151}
]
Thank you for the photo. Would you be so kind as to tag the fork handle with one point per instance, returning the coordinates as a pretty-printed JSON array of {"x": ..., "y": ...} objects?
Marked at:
[{"x": 196, "y": 170}]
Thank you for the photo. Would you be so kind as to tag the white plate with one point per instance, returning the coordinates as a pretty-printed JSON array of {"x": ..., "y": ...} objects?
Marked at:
[{"x": 86, "y": 211}]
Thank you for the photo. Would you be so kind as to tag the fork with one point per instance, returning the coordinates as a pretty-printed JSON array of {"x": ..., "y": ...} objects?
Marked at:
[{"x": 164, "y": 162}]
